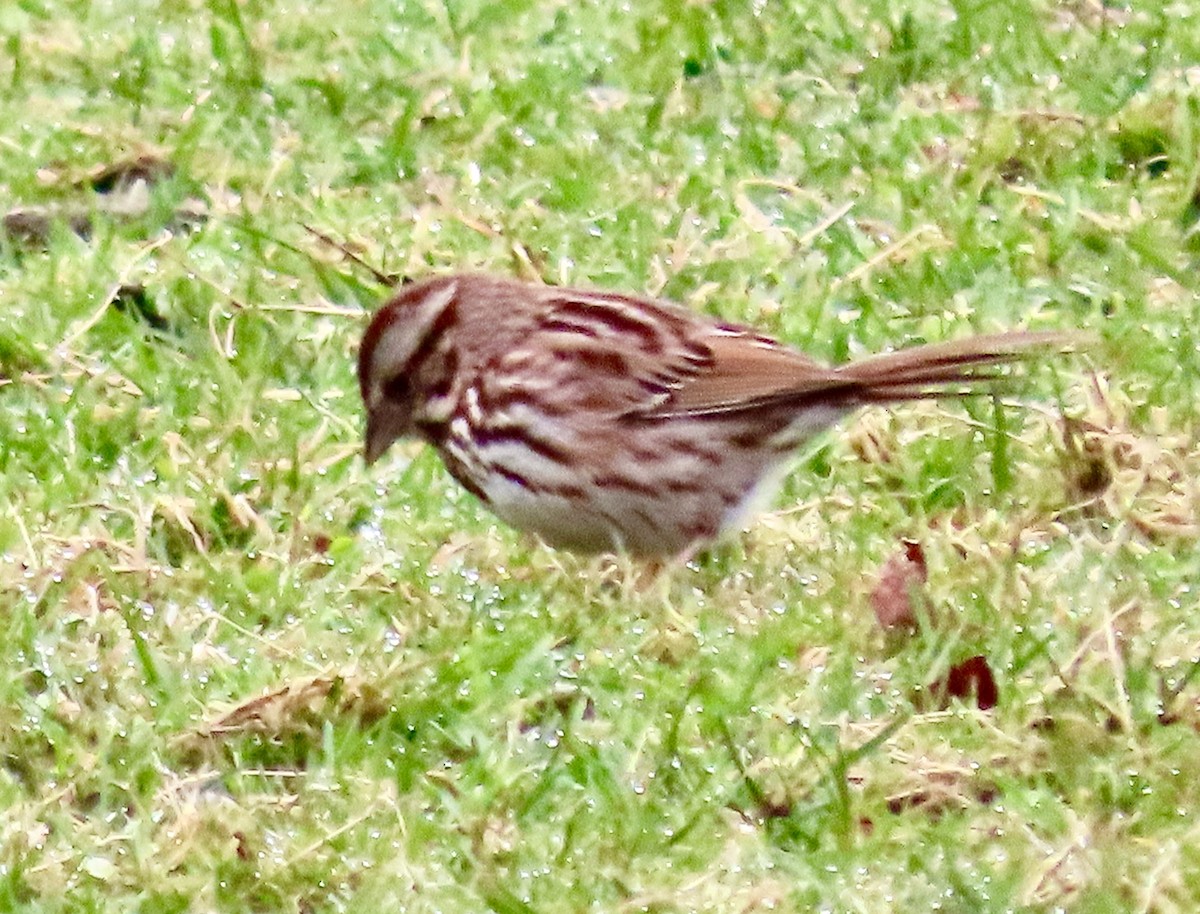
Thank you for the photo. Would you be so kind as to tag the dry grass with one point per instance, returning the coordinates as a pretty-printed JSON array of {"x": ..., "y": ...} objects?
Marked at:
[{"x": 246, "y": 674}]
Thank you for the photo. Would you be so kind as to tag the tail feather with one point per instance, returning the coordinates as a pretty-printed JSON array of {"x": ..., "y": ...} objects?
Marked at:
[{"x": 944, "y": 369}]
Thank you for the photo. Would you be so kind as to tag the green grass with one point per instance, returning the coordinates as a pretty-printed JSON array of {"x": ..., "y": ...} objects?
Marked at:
[{"x": 241, "y": 672}]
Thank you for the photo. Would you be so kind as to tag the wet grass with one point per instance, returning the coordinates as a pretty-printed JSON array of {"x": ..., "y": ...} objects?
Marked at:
[{"x": 243, "y": 673}]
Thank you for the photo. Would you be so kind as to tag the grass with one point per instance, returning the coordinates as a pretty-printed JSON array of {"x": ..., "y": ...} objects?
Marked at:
[{"x": 243, "y": 673}]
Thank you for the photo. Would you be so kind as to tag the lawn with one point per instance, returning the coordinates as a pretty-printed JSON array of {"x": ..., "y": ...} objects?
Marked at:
[{"x": 242, "y": 672}]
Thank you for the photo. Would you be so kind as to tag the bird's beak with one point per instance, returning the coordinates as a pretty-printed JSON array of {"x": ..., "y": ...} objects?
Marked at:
[
  {"x": 377, "y": 442},
  {"x": 374, "y": 449},
  {"x": 383, "y": 427}
]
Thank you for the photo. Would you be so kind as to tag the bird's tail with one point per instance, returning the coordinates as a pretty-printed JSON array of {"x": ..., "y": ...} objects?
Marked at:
[{"x": 951, "y": 369}]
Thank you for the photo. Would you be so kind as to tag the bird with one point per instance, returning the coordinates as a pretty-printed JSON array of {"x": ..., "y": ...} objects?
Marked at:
[{"x": 603, "y": 421}]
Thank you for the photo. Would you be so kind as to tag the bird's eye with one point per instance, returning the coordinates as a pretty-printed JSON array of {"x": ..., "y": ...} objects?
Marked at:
[{"x": 396, "y": 388}]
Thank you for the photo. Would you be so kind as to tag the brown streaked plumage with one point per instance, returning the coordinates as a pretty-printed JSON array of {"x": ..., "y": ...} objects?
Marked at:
[{"x": 611, "y": 422}]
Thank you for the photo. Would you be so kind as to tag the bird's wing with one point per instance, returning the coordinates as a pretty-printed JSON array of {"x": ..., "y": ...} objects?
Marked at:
[
  {"x": 626, "y": 355},
  {"x": 610, "y": 354},
  {"x": 746, "y": 370}
]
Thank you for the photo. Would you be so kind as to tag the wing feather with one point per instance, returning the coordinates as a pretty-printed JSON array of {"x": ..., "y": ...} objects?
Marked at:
[
  {"x": 630, "y": 356},
  {"x": 638, "y": 357},
  {"x": 745, "y": 370}
]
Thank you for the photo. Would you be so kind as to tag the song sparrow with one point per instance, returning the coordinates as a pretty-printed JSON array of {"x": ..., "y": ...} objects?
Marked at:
[{"x": 611, "y": 422}]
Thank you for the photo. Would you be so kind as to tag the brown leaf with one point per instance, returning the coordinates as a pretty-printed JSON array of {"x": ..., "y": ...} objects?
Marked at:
[
  {"x": 892, "y": 596},
  {"x": 971, "y": 678},
  {"x": 104, "y": 179},
  {"x": 298, "y": 705}
]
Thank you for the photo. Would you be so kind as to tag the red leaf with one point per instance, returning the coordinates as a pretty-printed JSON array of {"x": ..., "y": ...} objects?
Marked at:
[
  {"x": 971, "y": 677},
  {"x": 892, "y": 596}
]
